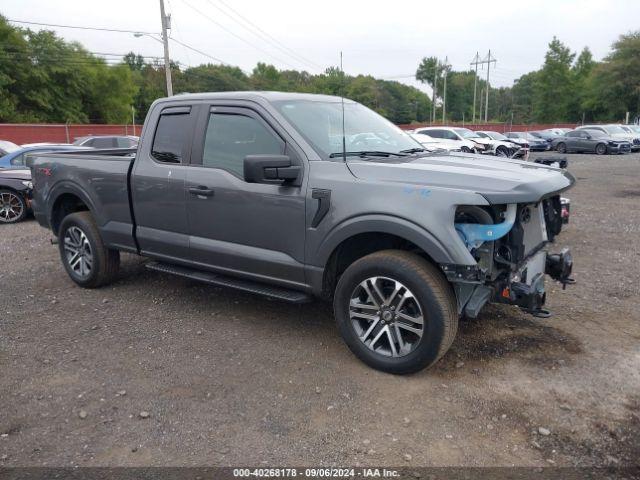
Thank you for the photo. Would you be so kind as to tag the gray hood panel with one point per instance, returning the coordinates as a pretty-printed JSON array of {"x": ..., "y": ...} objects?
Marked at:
[{"x": 498, "y": 180}]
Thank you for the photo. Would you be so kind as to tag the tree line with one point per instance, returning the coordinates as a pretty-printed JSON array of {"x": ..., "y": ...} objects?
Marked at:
[
  {"x": 44, "y": 78},
  {"x": 569, "y": 87}
]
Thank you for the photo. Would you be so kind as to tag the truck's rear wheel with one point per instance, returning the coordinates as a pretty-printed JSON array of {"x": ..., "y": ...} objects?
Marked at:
[
  {"x": 85, "y": 258},
  {"x": 396, "y": 311}
]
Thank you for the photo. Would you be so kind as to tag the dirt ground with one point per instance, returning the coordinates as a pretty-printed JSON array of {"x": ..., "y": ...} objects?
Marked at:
[{"x": 226, "y": 378}]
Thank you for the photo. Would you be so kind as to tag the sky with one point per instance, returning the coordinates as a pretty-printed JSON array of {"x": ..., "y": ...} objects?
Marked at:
[{"x": 383, "y": 39}]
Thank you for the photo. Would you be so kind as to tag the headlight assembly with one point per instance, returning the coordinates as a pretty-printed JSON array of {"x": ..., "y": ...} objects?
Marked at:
[{"x": 27, "y": 184}]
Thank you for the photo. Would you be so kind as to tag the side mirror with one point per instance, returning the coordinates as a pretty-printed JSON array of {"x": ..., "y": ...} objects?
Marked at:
[{"x": 276, "y": 169}]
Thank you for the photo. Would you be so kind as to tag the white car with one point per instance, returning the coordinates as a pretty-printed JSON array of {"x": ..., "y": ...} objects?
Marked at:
[
  {"x": 461, "y": 138},
  {"x": 433, "y": 144},
  {"x": 503, "y": 146},
  {"x": 617, "y": 132}
]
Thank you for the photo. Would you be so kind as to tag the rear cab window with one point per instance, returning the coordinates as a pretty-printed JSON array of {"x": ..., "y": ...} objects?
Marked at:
[{"x": 169, "y": 141}]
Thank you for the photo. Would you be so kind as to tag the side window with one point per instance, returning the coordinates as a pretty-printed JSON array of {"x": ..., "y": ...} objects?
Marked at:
[
  {"x": 88, "y": 143},
  {"x": 434, "y": 133},
  {"x": 450, "y": 135},
  {"x": 123, "y": 142},
  {"x": 230, "y": 137},
  {"x": 573, "y": 134},
  {"x": 19, "y": 160},
  {"x": 170, "y": 137},
  {"x": 106, "y": 142}
]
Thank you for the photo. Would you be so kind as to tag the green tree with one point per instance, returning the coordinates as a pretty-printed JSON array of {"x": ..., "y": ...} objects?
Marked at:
[
  {"x": 613, "y": 87},
  {"x": 265, "y": 77},
  {"x": 581, "y": 71},
  {"x": 554, "y": 86}
]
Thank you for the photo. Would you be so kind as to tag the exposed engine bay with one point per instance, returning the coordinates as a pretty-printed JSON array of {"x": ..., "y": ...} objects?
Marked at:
[{"x": 509, "y": 243}]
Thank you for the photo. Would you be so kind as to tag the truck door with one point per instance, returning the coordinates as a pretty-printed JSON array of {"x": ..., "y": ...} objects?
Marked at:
[
  {"x": 247, "y": 229},
  {"x": 157, "y": 185}
]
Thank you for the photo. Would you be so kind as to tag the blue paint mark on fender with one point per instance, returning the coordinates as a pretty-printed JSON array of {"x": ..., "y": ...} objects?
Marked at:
[{"x": 422, "y": 191}]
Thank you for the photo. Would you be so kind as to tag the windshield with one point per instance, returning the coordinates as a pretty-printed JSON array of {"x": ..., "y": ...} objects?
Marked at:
[
  {"x": 497, "y": 136},
  {"x": 466, "y": 133},
  {"x": 615, "y": 129},
  {"x": 320, "y": 123}
]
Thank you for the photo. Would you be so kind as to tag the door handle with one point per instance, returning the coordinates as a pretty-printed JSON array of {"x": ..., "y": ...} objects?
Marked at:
[{"x": 201, "y": 191}]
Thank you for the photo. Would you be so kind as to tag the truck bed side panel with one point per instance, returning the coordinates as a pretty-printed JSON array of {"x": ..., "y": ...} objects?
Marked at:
[{"x": 100, "y": 181}]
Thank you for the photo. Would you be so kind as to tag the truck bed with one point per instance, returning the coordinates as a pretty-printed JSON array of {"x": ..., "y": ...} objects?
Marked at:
[{"x": 100, "y": 179}]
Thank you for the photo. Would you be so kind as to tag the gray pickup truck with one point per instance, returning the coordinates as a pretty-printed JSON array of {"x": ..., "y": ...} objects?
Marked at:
[{"x": 296, "y": 196}]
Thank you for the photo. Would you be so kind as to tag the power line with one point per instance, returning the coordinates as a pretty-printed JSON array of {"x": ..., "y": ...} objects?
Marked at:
[
  {"x": 262, "y": 35},
  {"x": 267, "y": 34},
  {"x": 198, "y": 51},
  {"x": 100, "y": 29},
  {"x": 231, "y": 32}
]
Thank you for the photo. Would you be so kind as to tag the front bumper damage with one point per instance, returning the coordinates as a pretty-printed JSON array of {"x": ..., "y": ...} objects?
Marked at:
[
  {"x": 524, "y": 288},
  {"x": 512, "y": 259}
]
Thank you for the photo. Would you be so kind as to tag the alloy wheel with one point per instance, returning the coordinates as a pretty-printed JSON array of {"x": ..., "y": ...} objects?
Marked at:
[
  {"x": 78, "y": 252},
  {"x": 386, "y": 316},
  {"x": 11, "y": 207}
]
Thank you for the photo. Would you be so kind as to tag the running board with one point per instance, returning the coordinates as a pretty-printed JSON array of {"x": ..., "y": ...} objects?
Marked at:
[{"x": 292, "y": 296}]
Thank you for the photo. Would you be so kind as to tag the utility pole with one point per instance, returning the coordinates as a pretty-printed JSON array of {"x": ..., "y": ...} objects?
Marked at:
[
  {"x": 481, "y": 97},
  {"x": 488, "y": 61},
  {"x": 166, "y": 25},
  {"x": 435, "y": 88},
  {"x": 444, "y": 90},
  {"x": 475, "y": 61}
]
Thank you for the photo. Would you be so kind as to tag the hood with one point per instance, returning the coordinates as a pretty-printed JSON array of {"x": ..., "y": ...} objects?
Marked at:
[
  {"x": 498, "y": 180},
  {"x": 15, "y": 173}
]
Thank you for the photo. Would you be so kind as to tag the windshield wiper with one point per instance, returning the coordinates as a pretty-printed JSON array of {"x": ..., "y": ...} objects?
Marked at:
[
  {"x": 414, "y": 150},
  {"x": 367, "y": 153}
]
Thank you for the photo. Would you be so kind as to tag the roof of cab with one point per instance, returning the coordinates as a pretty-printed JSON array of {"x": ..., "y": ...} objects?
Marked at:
[{"x": 258, "y": 96}]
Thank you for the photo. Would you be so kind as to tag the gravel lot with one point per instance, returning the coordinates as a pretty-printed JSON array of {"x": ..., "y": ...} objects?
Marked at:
[{"x": 227, "y": 378}]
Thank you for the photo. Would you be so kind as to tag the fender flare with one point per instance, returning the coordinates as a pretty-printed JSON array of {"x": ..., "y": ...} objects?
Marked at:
[
  {"x": 68, "y": 187},
  {"x": 397, "y": 226}
]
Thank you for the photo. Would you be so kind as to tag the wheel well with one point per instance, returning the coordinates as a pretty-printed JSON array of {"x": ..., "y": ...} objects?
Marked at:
[
  {"x": 358, "y": 246},
  {"x": 64, "y": 205}
]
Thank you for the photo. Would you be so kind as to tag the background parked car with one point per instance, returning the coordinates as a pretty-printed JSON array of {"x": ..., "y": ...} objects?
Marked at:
[
  {"x": 632, "y": 129},
  {"x": 433, "y": 144},
  {"x": 617, "y": 132},
  {"x": 586, "y": 140},
  {"x": 15, "y": 194},
  {"x": 535, "y": 144},
  {"x": 107, "y": 141},
  {"x": 7, "y": 147},
  {"x": 456, "y": 137},
  {"x": 16, "y": 158},
  {"x": 545, "y": 135},
  {"x": 504, "y": 147}
]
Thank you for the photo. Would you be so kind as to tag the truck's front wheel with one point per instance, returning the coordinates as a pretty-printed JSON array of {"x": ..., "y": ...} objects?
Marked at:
[
  {"x": 396, "y": 311},
  {"x": 85, "y": 258}
]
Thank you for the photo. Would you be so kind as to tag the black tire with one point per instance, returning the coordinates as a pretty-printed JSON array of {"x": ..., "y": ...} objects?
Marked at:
[
  {"x": 561, "y": 147},
  {"x": 431, "y": 291},
  {"x": 465, "y": 149},
  {"x": 13, "y": 206},
  {"x": 601, "y": 149},
  {"x": 105, "y": 262},
  {"x": 502, "y": 151}
]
